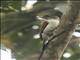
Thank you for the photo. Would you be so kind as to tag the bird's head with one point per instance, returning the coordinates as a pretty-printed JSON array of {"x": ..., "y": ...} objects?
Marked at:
[{"x": 56, "y": 15}]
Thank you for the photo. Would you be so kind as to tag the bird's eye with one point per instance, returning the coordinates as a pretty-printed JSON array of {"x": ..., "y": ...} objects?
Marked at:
[{"x": 46, "y": 16}]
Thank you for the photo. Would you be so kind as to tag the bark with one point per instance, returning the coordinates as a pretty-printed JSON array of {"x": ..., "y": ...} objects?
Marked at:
[
  {"x": 68, "y": 23},
  {"x": 78, "y": 19},
  {"x": 74, "y": 40}
]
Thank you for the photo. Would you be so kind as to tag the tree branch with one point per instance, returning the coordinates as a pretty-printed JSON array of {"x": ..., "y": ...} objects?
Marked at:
[{"x": 68, "y": 24}]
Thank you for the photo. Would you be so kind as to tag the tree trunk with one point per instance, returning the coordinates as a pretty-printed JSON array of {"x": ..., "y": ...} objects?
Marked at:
[{"x": 58, "y": 45}]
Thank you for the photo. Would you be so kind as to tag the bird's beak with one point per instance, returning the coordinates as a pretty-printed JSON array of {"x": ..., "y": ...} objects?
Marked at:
[{"x": 40, "y": 18}]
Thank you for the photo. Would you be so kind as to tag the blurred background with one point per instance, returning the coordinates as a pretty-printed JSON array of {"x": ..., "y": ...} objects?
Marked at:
[{"x": 20, "y": 38}]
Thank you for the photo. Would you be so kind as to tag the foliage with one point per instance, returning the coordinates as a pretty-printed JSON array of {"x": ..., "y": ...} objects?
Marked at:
[{"x": 15, "y": 21}]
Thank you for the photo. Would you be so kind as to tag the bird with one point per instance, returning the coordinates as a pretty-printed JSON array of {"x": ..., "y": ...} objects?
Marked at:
[{"x": 49, "y": 24}]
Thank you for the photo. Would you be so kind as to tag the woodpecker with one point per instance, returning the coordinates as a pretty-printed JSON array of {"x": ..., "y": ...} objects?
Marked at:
[{"x": 49, "y": 24}]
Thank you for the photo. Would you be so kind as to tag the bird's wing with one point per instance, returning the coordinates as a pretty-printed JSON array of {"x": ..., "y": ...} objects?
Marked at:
[{"x": 43, "y": 26}]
